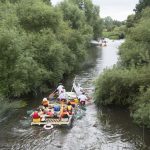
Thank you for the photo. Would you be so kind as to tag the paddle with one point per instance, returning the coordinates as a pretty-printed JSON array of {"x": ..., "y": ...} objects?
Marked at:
[
  {"x": 73, "y": 84},
  {"x": 51, "y": 96}
]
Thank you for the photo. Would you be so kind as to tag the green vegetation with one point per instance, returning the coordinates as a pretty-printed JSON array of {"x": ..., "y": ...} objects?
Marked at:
[
  {"x": 140, "y": 7},
  {"x": 40, "y": 43},
  {"x": 113, "y": 29},
  {"x": 8, "y": 106},
  {"x": 120, "y": 86},
  {"x": 128, "y": 83}
]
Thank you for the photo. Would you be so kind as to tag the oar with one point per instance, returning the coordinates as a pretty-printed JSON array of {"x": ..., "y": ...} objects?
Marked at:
[
  {"x": 73, "y": 83},
  {"x": 52, "y": 94}
]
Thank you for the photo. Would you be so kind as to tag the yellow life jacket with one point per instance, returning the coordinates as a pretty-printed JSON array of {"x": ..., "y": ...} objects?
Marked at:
[
  {"x": 76, "y": 100},
  {"x": 37, "y": 120},
  {"x": 69, "y": 107}
]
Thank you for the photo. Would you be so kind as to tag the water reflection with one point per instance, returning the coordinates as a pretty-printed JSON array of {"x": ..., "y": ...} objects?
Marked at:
[{"x": 118, "y": 128}]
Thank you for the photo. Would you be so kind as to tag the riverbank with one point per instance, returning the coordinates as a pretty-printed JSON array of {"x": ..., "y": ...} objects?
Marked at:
[{"x": 128, "y": 83}]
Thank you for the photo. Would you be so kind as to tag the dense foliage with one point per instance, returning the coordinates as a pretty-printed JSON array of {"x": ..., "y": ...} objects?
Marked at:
[
  {"x": 40, "y": 43},
  {"x": 128, "y": 83},
  {"x": 141, "y": 5},
  {"x": 121, "y": 86},
  {"x": 141, "y": 109},
  {"x": 113, "y": 29}
]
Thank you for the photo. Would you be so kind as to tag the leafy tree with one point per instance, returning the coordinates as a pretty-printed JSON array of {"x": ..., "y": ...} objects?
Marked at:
[
  {"x": 73, "y": 15},
  {"x": 113, "y": 29},
  {"x": 117, "y": 86},
  {"x": 39, "y": 43},
  {"x": 9, "y": 53},
  {"x": 130, "y": 21},
  {"x": 91, "y": 15},
  {"x": 135, "y": 51},
  {"x": 108, "y": 23},
  {"x": 141, "y": 111},
  {"x": 47, "y": 2},
  {"x": 35, "y": 15},
  {"x": 141, "y": 5}
]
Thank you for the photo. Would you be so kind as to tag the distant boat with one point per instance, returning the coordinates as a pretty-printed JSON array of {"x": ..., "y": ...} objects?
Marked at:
[{"x": 96, "y": 43}]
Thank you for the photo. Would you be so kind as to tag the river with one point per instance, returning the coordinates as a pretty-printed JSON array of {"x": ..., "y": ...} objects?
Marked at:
[{"x": 98, "y": 129}]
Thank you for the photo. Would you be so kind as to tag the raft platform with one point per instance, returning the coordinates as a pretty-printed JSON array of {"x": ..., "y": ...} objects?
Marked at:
[{"x": 55, "y": 121}]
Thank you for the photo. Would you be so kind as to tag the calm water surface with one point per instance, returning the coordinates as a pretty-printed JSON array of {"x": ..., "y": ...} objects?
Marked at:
[{"x": 103, "y": 129}]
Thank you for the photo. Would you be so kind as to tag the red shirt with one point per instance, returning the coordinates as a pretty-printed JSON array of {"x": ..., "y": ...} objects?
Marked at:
[{"x": 35, "y": 115}]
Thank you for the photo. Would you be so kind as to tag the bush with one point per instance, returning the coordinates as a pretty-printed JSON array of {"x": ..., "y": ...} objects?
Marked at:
[
  {"x": 134, "y": 54},
  {"x": 141, "y": 111},
  {"x": 120, "y": 86},
  {"x": 35, "y": 15}
]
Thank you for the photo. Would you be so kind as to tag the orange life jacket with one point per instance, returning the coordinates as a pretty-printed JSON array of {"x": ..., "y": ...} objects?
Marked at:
[
  {"x": 64, "y": 113},
  {"x": 45, "y": 103}
]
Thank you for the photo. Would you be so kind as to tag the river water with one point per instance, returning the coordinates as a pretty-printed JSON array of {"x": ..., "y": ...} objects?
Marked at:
[{"x": 97, "y": 129}]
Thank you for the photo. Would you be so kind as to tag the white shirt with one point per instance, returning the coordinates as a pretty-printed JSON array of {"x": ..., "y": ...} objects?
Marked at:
[
  {"x": 60, "y": 88},
  {"x": 62, "y": 95},
  {"x": 82, "y": 97},
  {"x": 78, "y": 89}
]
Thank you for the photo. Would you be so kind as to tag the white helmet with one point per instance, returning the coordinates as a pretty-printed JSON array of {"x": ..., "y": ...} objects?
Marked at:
[{"x": 44, "y": 99}]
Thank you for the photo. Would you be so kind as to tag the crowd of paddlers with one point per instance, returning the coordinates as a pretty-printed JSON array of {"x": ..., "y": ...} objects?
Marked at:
[{"x": 60, "y": 105}]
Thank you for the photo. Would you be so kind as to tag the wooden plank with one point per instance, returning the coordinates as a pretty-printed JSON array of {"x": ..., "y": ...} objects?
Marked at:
[
  {"x": 38, "y": 123},
  {"x": 53, "y": 122}
]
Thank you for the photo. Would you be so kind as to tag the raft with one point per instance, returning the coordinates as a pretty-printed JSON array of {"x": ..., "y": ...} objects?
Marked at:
[
  {"x": 55, "y": 120},
  {"x": 71, "y": 95}
]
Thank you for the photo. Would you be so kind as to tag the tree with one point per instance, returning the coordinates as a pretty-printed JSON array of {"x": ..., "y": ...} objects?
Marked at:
[
  {"x": 73, "y": 15},
  {"x": 141, "y": 5},
  {"x": 91, "y": 15},
  {"x": 130, "y": 21},
  {"x": 35, "y": 15},
  {"x": 108, "y": 23},
  {"x": 39, "y": 44}
]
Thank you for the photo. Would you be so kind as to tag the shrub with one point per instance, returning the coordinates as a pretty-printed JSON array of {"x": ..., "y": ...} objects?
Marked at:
[
  {"x": 120, "y": 86},
  {"x": 141, "y": 112}
]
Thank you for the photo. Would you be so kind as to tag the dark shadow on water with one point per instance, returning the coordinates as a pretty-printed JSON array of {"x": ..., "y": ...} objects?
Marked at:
[{"x": 116, "y": 122}]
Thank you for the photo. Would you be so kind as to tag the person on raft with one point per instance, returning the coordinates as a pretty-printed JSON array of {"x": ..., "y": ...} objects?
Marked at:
[
  {"x": 60, "y": 89},
  {"x": 35, "y": 117},
  {"x": 50, "y": 113},
  {"x": 64, "y": 113},
  {"x": 62, "y": 96},
  {"x": 41, "y": 112},
  {"x": 82, "y": 98},
  {"x": 57, "y": 92},
  {"x": 79, "y": 90},
  {"x": 57, "y": 110},
  {"x": 45, "y": 102},
  {"x": 69, "y": 108}
]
